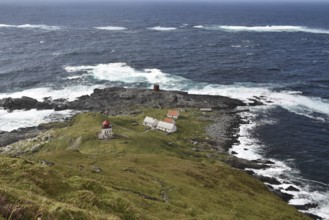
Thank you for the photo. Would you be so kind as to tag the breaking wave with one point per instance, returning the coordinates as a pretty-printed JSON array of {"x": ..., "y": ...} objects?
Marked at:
[
  {"x": 159, "y": 28},
  {"x": 268, "y": 28},
  {"x": 13, "y": 120},
  {"x": 32, "y": 26},
  {"x": 111, "y": 28},
  {"x": 69, "y": 93}
]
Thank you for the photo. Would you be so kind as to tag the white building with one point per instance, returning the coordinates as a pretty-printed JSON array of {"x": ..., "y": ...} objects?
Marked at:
[
  {"x": 150, "y": 122},
  {"x": 167, "y": 127},
  {"x": 106, "y": 132}
]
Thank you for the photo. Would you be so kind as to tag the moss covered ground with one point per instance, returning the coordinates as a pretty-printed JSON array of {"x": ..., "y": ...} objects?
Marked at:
[{"x": 140, "y": 174}]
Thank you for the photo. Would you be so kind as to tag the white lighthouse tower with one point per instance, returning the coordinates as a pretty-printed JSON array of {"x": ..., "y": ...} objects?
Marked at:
[{"x": 107, "y": 132}]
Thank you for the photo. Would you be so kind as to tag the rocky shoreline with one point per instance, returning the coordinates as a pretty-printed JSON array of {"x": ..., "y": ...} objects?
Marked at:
[{"x": 122, "y": 101}]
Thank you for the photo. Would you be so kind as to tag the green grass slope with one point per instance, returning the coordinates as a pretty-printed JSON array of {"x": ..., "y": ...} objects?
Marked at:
[{"x": 140, "y": 174}]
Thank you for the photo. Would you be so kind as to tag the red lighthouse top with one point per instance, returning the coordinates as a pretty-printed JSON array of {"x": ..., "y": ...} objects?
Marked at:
[{"x": 106, "y": 124}]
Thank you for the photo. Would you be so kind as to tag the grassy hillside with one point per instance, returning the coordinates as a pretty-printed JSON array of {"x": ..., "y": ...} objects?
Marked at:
[{"x": 140, "y": 174}]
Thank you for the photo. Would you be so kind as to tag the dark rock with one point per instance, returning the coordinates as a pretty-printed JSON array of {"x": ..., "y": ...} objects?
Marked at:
[
  {"x": 242, "y": 163},
  {"x": 263, "y": 161},
  {"x": 306, "y": 206},
  {"x": 291, "y": 188},
  {"x": 60, "y": 107},
  {"x": 44, "y": 105},
  {"x": 267, "y": 179},
  {"x": 18, "y": 103},
  {"x": 233, "y": 152},
  {"x": 122, "y": 97},
  {"x": 315, "y": 217},
  {"x": 284, "y": 196},
  {"x": 250, "y": 172},
  {"x": 7, "y": 138}
]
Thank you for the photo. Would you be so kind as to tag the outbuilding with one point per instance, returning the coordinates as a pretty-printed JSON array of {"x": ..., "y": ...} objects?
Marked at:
[
  {"x": 173, "y": 114},
  {"x": 150, "y": 122},
  {"x": 166, "y": 127}
]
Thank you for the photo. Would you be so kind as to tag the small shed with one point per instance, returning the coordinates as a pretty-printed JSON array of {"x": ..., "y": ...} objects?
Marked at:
[
  {"x": 150, "y": 122},
  {"x": 173, "y": 114},
  {"x": 166, "y": 127}
]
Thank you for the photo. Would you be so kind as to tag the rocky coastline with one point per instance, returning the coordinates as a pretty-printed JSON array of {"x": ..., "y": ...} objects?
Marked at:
[{"x": 122, "y": 101}]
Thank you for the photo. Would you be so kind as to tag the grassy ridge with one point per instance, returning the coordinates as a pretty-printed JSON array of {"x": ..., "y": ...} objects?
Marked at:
[{"x": 138, "y": 175}]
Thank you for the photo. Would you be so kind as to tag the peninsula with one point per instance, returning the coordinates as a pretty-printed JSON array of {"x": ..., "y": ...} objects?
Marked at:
[{"x": 62, "y": 170}]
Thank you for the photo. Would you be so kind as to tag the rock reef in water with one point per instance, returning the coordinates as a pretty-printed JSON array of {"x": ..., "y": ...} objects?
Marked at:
[{"x": 121, "y": 100}]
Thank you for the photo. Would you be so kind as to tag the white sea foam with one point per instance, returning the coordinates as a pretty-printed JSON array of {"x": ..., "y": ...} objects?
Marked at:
[
  {"x": 248, "y": 147},
  {"x": 32, "y": 26},
  {"x": 111, "y": 28},
  {"x": 199, "y": 26},
  {"x": 69, "y": 93},
  {"x": 13, "y": 120},
  {"x": 159, "y": 28},
  {"x": 75, "y": 77},
  {"x": 292, "y": 101},
  {"x": 123, "y": 73},
  {"x": 268, "y": 28}
]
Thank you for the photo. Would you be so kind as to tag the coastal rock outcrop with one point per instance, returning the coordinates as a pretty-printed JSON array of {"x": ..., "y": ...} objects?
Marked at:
[
  {"x": 18, "y": 103},
  {"x": 116, "y": 100},
  {"x": 120, "y": 100}
]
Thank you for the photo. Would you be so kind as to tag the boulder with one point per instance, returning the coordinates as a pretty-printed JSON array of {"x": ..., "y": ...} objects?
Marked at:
[
  {"x": 18, "y": 103},
  {"x": 242, "y": 163},
  {"x": 267, "y": 179},
  {"x": 292, "y": 188}
]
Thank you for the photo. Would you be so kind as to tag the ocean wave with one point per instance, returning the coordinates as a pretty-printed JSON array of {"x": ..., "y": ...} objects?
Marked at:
[
  {"x": 292, "y": 101},
  {"x": 111, "y": 28},
  {"x": 123, "y": 73},
  {"x": 32, "y": 26},
  {"x": 268, "y": 28},
  {"x": 13, "y": 120},
  {"x": 69, "y": 93},
  {"x": 159, "y": 28}
]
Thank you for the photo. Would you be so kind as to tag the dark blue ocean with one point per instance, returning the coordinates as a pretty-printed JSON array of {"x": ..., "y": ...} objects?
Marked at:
[{"x": 276, "y": 53}]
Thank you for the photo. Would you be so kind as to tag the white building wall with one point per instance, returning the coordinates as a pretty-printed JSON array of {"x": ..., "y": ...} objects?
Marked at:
[
  {"x": 167, "y": 127},
  {"x": 150, "y": 122}
]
